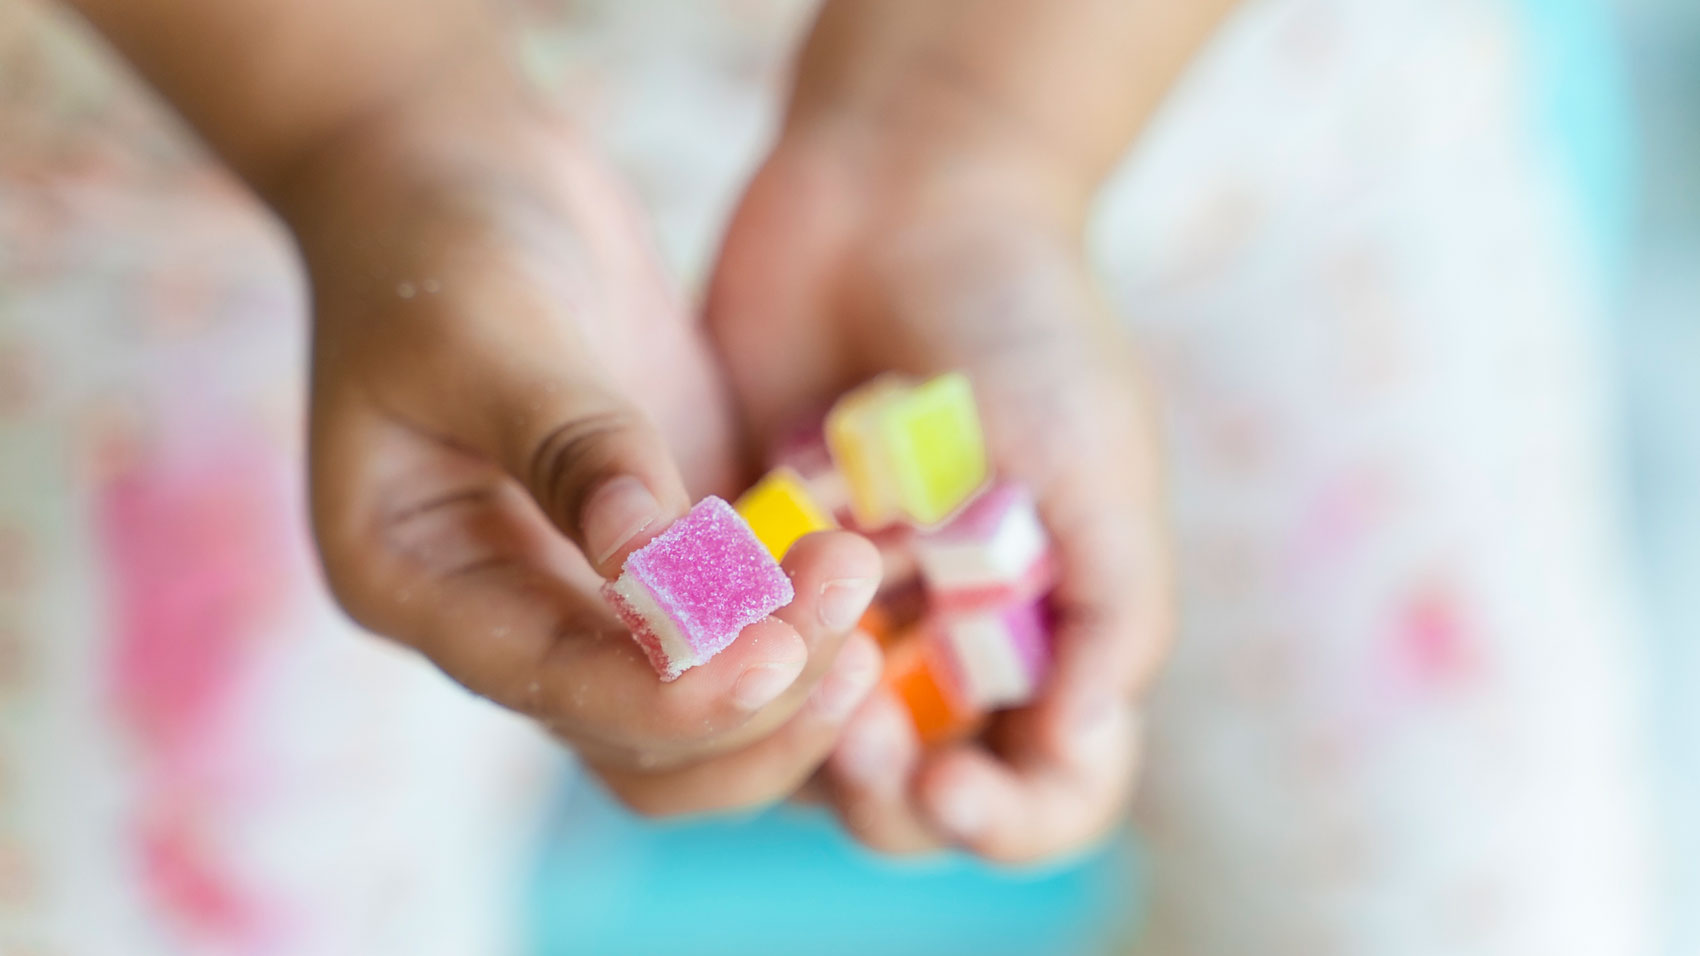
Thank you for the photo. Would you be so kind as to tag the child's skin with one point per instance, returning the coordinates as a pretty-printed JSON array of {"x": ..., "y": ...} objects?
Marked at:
[{"x": 508, "y": 398}]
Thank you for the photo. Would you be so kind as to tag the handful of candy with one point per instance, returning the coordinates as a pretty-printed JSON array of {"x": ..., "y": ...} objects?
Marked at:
[{"x": 962, "y": 613}]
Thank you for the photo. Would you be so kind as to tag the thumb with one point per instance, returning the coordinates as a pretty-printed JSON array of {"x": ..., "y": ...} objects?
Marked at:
[
  {"x": 604, "y": 476},
  {"x": 595, "y": 464}
]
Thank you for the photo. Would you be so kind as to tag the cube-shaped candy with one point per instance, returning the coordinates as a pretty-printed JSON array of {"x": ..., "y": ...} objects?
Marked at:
[
  {"x": 908, "y": 451},
  {"x": 780, "y": 510},
  {"x": 1000, "y": 657},
  {"x": 878, "y": 624},
  {"x": 918, "y": 672},
  {"x": 994, "y": 552},
  {"x": 687, "y": 594}
]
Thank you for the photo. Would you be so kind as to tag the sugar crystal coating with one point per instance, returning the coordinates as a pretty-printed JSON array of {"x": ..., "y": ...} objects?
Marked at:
[{"x": 709, "y": 576}]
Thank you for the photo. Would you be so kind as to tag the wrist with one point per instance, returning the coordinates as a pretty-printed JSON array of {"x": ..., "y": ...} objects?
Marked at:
[
  {"x": 496, "y": 170},
  {"x": 454, "y": 128},
  {"x": 929, "y": 142},
  {"x": 902, "y": 168}
]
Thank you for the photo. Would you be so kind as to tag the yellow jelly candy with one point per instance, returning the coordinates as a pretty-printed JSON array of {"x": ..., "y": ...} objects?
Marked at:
[
  {"x": 854, "y": 436},
  {"x": 940, "y": 452},
  {"x": 779, "y": 510},
  {"x": 906, "y": 450}
]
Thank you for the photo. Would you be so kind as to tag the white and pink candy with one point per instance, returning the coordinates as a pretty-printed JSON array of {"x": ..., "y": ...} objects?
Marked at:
[
  {"x": 687, "y": 594},
  {"x": 999, "y": 657},
  {"x": 995, "y": 552}
]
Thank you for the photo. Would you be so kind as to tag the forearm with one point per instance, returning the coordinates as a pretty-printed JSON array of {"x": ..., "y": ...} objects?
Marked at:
[
  {"x": 268, "y": 83},
  {"x": 1061, "y": 86}
]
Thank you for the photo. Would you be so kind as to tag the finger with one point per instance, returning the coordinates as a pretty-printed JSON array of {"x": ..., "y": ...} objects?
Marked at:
[
  {"x": 1025, "y": 811},
  {"x": 1113, "y": 617},
  {"x": 472, "y": 576},
  {"x": 595, "y": 464},
  {"x": 813, "y": 792},
  {"x": 834, "y": 576},
  {"x": 770, "y": 769},
  {"x": 1105, "y": 511},
  {"x": 1065, "y": 763},
  {"x": 528, "y": 394},
  {"x": 1113, "y": 606},
  {"x": 870, "y": 773}
]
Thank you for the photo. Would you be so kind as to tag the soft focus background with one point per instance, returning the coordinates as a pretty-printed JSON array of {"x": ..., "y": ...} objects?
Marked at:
[
  {"x": 1659, "y": 323},
  {"x": 198, "y": 756}
]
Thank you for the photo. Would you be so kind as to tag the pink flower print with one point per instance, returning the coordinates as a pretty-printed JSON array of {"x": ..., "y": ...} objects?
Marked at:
[
  {"x": 199, "y": 554},
  {"x": 1433, "y": 647}
]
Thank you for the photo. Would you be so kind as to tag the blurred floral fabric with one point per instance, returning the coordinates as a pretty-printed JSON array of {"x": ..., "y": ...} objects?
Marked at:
[
  {"x": 196, "y": 754},
  {"x": 1402, "y": 716},
  {"x": 1399, "y": 718}
]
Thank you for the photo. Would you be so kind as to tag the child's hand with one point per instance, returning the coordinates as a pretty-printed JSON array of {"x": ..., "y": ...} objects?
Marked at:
[
  {"x": 507, "y": 401},
  {"x": 839, "y": 266},
  {"x": 502, "y": 386}
]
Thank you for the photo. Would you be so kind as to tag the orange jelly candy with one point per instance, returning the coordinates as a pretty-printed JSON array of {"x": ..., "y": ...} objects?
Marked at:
[
  {"x": 916, "y": 673},
  {"x": 878, "y": 623}
]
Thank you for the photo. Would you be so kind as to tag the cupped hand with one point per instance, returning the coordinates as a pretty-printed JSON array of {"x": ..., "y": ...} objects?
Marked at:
[
  {"x": 507, "y": 399},
  {"x": 839, "y": 266}
]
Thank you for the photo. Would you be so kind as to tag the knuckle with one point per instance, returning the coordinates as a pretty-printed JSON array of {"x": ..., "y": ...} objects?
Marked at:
[{"x": 569, "y": 455}]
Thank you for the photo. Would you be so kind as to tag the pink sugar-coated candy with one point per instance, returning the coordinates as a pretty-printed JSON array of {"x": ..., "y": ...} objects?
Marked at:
[
  {"x": 1000, "y": 658},
  {"x": 687, "y": 594},
  {"x": 994, "y": 553}
]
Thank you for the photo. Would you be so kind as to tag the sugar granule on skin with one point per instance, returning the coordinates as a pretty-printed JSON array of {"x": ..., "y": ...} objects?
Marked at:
[{"x": 687, "y": 594}]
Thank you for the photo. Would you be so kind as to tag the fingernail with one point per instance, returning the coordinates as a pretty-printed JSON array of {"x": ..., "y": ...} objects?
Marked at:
[
  {"x": 761, "y": 684},
  {"x": 959, "y": 809},
  {"x": 852, "y": 675},
  {"x": 843, "y": 601},
  {"x": 615, "y": 513}
]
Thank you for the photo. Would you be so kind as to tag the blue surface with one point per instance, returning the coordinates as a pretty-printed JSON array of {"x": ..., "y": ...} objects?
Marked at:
[
  {"x": 1583, "y": 107},
  {"x": 788, "y": 881}
]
